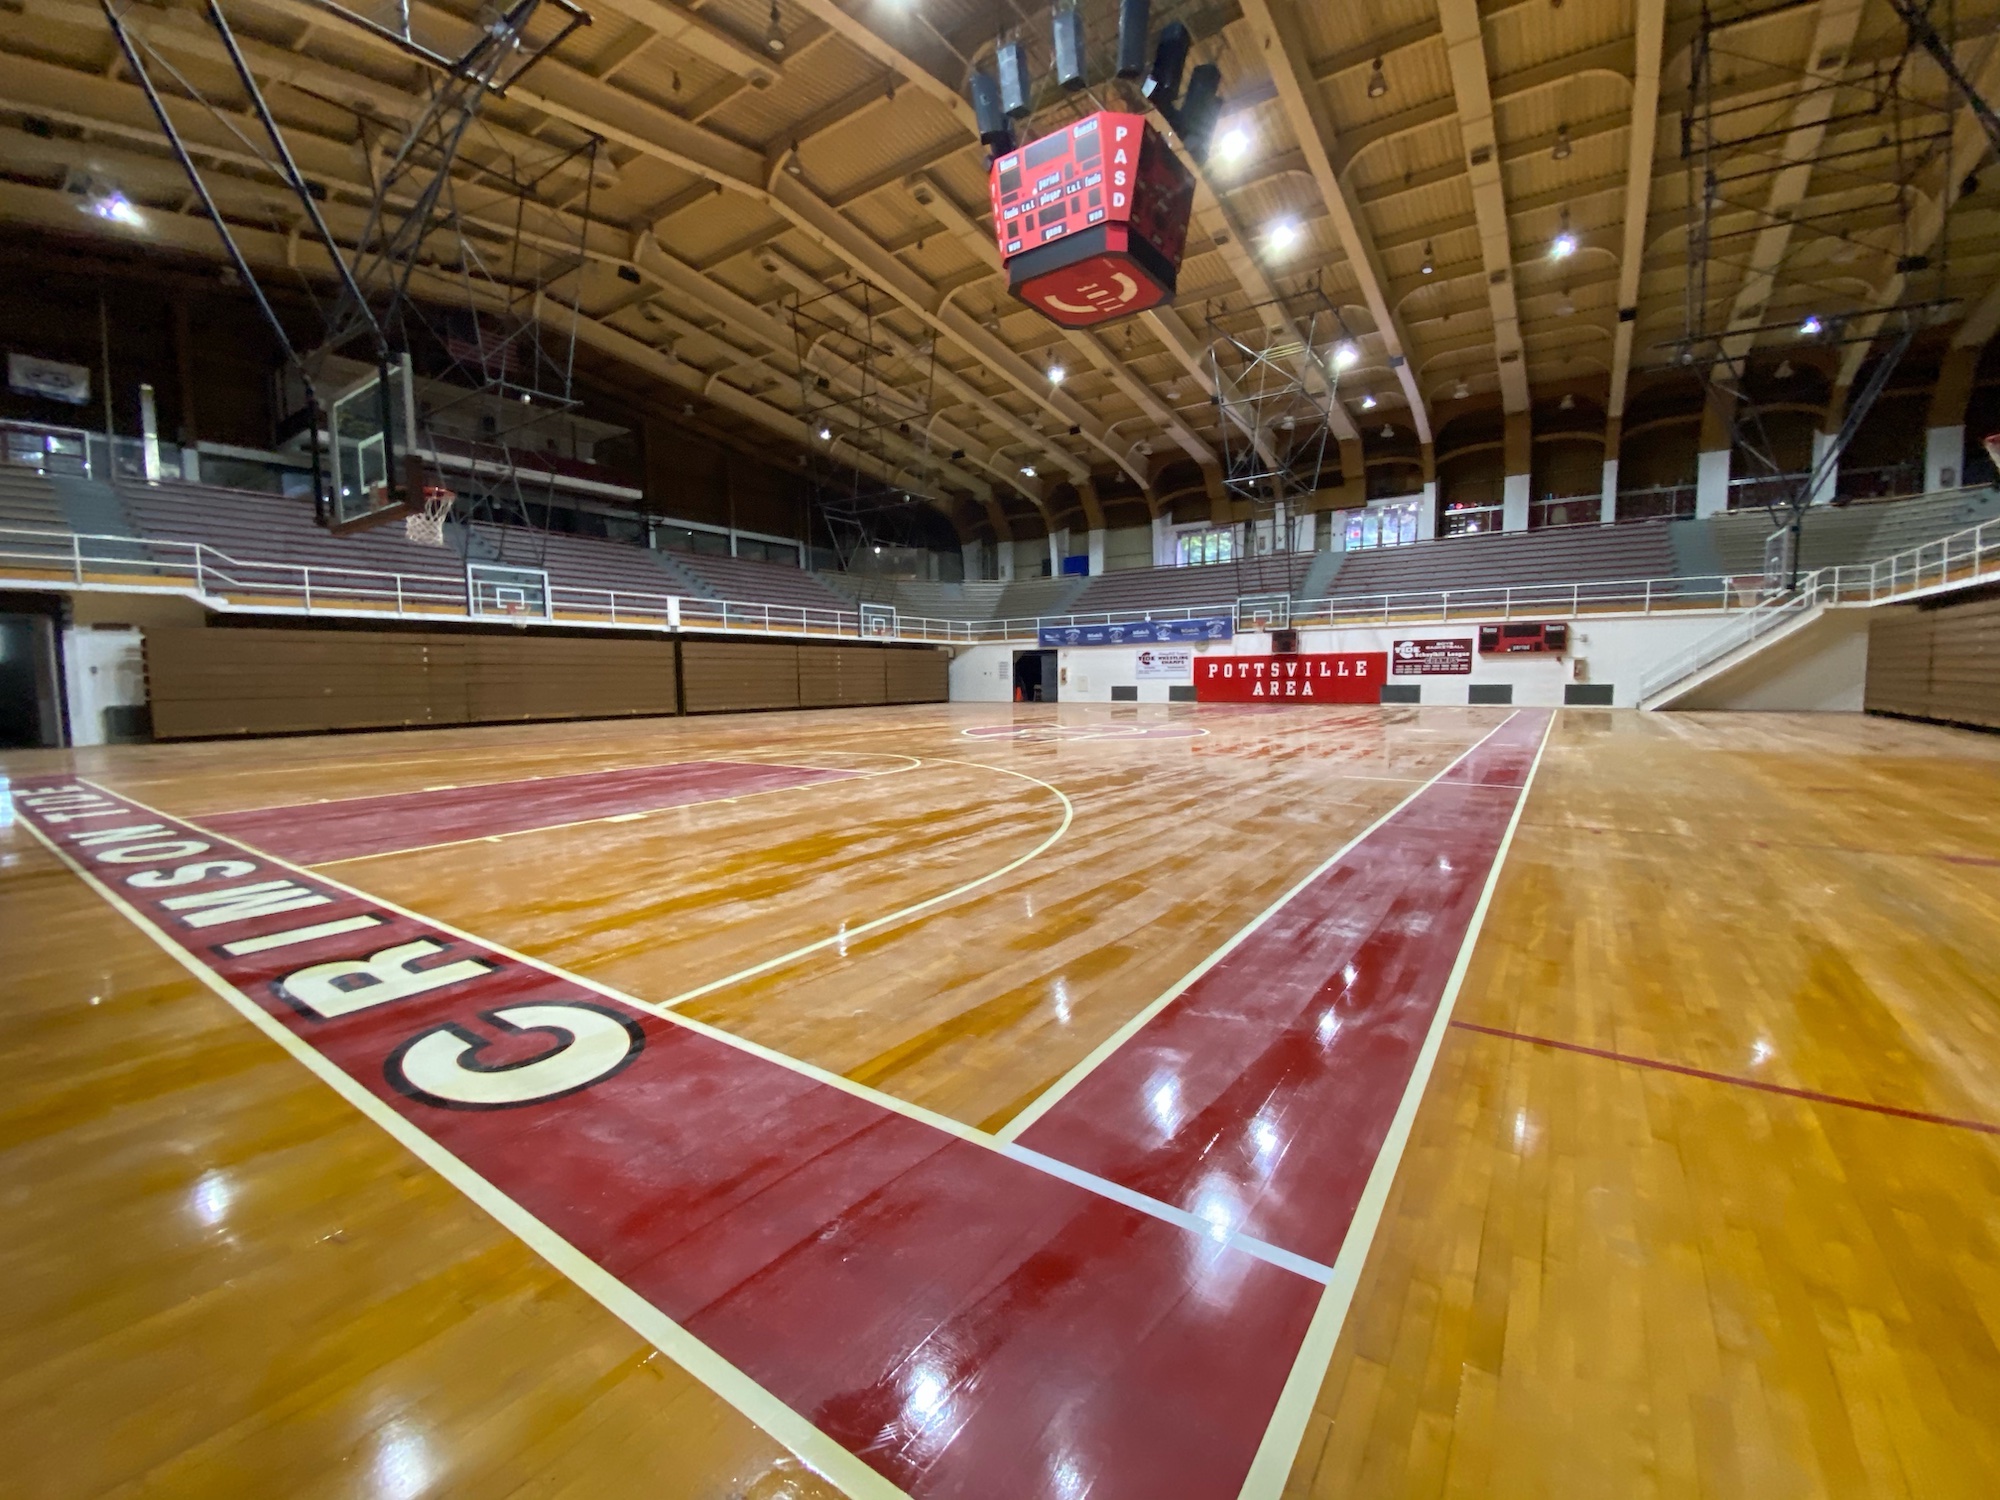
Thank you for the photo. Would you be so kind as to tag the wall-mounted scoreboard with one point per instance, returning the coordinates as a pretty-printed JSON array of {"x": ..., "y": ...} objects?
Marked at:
[{"x": 1092, "y": 219}]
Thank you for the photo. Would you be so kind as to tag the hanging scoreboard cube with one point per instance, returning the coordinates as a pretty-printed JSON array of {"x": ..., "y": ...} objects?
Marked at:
[{"x": 1092, "y": 220}]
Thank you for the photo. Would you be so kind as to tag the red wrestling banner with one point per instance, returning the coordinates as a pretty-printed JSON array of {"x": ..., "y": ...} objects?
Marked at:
[{"x": 1343, "y": 677}]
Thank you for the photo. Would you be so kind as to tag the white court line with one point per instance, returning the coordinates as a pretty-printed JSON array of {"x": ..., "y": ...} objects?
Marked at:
[
  {"x": 815, "y": 1448},
  {"x": 1056, "y": 1091},
  {"x": 1104, "y": 1188},
  {"x": 848, "y": 934},
  {"x": 1272, "y": 1467},
  {"x": 836, "y": 778}
]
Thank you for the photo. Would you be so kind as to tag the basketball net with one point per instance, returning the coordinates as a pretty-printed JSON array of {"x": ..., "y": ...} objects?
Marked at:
[
  {"x": 425, "y": 525},
  {"x": 1992, "y": 441}
]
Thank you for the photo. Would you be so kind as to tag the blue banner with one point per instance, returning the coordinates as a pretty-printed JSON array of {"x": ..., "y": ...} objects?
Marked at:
[{"x": 1140, "y": 632}]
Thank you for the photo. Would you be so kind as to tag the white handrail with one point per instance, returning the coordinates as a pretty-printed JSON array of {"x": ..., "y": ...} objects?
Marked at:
[
  {"x": 320, "y": 587},
  {"x": 1955, "y": 560}
]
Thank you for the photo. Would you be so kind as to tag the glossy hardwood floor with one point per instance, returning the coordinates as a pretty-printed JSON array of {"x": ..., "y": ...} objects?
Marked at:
[{"x": 1644, "y": 1239}]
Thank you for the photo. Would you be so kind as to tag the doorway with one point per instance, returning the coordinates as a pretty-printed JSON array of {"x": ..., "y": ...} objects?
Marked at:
[
  {"x": 30, "y": 703},
  {"x": 1034, "y": 677}
]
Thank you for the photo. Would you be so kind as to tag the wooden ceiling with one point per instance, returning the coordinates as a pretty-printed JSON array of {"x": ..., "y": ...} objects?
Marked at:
[{"x": 1422, "y": 157}]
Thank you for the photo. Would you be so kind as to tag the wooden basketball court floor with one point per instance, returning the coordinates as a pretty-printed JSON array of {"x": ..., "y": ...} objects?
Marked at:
[{"x": 997, "y": 1101}]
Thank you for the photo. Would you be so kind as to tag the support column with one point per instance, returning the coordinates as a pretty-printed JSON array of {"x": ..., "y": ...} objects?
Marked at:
[
  {"x": 1515, "y": 487},
  {"x": 1058, "y": 551},
  {"x": 1096, "y": 544},
  {"x": 1353, "y": 475},
  {"x": 1427, "y": 518},
  {"x": 1829, "y": 482},
  {"x": 1711, "y": 474},
  {"x": 1944, "y": 434},
  {"x": 1607, "y": 500},
  {"x": 1005, "y": 569},
  {"x": 975, "y": 567},
  {"x": 1163, "y": 541}
]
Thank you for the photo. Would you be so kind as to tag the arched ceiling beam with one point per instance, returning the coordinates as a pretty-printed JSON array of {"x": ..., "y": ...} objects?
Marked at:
[
  {"x": 1305, "y": 109},
  {"x": 1465, "y": 50},
  {"x": 1641, "y": 150}
]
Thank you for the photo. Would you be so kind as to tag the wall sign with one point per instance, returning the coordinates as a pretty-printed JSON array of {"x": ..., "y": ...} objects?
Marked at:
[
  {"x": 1169, "y": 664},
  {"x": 1342, "y": 677},
  {"x": 48, "y": 378},
  {"x": 1450, "y": 657},
  {"x": 1140, "y": 632}
]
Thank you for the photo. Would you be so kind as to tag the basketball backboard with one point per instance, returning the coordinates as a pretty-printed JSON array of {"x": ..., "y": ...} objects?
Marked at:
[
  {"x": 509, "y": 592},
  {"x": 371, "y": 430}
]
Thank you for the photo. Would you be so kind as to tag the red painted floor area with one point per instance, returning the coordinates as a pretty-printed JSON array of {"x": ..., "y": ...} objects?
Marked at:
[
  {"x": 316, "y": 832},
  {"x": 969, "y": 1324},
  {"x": 1260, "y": 1098}
]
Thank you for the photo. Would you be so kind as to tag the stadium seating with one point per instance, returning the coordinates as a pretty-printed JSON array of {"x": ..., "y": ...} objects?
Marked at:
[
  {"x": 742, "y": 580},
  {"x": 1499, "y": 560},
  {"x": 1216, "y": 586}
]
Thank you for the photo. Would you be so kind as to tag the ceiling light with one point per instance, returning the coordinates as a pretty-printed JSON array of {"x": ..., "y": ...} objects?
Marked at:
[
  {"x": 1234, "y": 145},
  {"x": 1568, "y": 402},
  {"x": 1812, "y": 325},
  {"x": 1028, "y": 470},
  {"x": 826, "y": 434},
  {"x": 1562, "y": 150},
  {"x": 774, "y": 34},
  {"x": 1378, "y": 82},
  {"x": 1282, "y": 235},
  {"x": 1461, "y": 391},
  {"x": 1428, "y": 266},
  {"x": 1563, "y": 246},
  {"x": 1368, "y": 402},
  {"x": 1056, "y": 373},
  {"x": 524, "y": 398},
  {"x": 1287, "y": 422},
  {"x": 1565, "y": 307},
  {"x": 1388, "y": 430},
  {"x": 793, "y": 164},
  {"x": 1345, "y": 355},
  {"x": 1784, "y": 370}
]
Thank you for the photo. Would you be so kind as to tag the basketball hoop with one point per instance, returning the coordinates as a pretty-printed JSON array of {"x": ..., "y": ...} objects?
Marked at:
[{"x": 425, "y": 525}]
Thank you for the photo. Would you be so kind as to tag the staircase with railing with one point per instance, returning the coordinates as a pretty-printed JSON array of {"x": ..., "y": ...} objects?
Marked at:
[{"x": 1961, "y": 560}]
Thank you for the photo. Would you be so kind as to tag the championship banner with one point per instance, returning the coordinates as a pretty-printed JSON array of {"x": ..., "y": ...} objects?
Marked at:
[
  {"x": 1450, "y": 657},
  {"x": 1339, "y": 677},
  {"x": 1174, "y": 665},
  {"x": 1140, "y": 632}
]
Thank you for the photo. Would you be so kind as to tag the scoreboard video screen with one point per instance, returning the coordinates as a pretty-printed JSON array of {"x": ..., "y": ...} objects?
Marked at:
[{"x": 1091, "y": 219}]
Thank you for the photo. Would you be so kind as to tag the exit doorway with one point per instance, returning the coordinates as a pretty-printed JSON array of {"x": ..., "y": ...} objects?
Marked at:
[{"x": 1034, "y": 677}]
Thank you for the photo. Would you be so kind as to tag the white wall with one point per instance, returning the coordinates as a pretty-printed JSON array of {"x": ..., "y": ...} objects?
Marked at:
[
  {"x": 102, "y": 668},
  {"x": 1619, "y": 651},
  {"x": 1821, "y": 667},
  {"x": 1128, "y": 547},
  {"x": 983, "y": 674}
]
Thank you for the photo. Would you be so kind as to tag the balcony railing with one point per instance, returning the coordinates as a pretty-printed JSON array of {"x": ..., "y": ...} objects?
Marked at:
[{"x": 123, "y": 562}]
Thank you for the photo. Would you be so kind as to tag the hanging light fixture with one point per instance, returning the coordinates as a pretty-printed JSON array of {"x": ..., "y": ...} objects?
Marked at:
[
  {"x": 1429, "y": 265},
  {"x": 1568, "y": 402},
  {"x": 1562, "y": 150},
  {"x": 793, "y": 164},
  {"x": 1784, "y": 370},
  {"x": 1368, "y": 402},
  {"x": 774, "y": 34},
  {"x": 1563, "y": 246},
  {"x": 1460, "y": 391},
  {"x": 1388, "y": 430},
  {"x": 1378, "y": 81}
]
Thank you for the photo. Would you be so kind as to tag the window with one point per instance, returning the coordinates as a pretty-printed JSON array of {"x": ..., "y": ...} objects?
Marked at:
[
  {"x": 1383, "y": 526},
  {"x": 1196, "y": 548}
]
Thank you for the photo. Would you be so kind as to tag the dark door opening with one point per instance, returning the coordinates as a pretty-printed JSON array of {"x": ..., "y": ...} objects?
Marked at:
[
  {"x": 30, "y": 705},
  {"x": 1034, "y": 677}
]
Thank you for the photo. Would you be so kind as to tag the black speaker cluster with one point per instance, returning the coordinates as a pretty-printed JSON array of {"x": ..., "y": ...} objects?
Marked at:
[{"x": 1003, "y": 97}]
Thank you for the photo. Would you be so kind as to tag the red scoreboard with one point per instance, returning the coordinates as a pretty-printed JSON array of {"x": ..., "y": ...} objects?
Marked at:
[{"x": 1092, "y": 219}]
